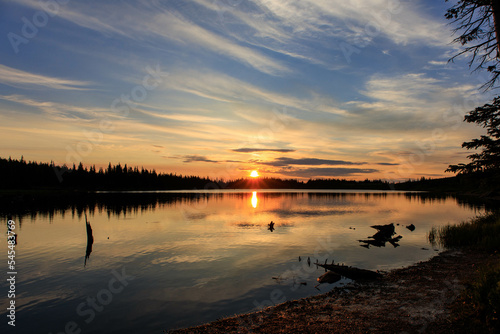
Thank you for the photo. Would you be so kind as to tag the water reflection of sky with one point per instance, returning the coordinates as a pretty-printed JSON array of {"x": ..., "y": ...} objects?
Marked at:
[{"x": 199, "y": 258}]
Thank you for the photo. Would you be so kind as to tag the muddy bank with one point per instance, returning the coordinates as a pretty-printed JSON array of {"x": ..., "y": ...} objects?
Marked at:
[{"x": 415, "y": 299}]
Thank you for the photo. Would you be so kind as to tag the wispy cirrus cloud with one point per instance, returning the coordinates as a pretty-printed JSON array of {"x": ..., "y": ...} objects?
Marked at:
[
  {"x": 221, "y": 87},
  {"x": 284, "y": 161},
  {"x": 179, "y": 28},
  {"x": 188, "y": 118},
  {"x": 326, "y": 172},
  {"x": 438, "y": 62},
  {"x": 22, "y": 79},
  {"x": 192, "y": 158},
  {"x": 59, "y": 111},
  {"x": 200, "y": 158},
  {"x": 407, "y": 102},
  {"x": 313, "y": 30},
  {"x": 197, "y": 158},
  {"x": 139, "y": 21},
  {"x": 254, "y": 150},
  {"x": 396, "y": 20},
  {"x": 387, "y": 164}
]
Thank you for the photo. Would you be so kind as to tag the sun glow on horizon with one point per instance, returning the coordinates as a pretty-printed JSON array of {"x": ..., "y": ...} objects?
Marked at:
[{"x": 254, "y": 173}]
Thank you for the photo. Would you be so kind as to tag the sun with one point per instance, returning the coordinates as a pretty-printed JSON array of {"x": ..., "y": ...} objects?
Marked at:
[{"x": 254, "y": 173}]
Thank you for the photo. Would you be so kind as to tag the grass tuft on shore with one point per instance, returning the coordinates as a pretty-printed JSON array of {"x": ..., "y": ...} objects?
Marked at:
[
  {"x": 481, "y": 233},
  {"x": 478, "y": 308}
]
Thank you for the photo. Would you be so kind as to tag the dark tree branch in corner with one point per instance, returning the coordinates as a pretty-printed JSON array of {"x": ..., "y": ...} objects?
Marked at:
[{"x": 478, "y": 23}]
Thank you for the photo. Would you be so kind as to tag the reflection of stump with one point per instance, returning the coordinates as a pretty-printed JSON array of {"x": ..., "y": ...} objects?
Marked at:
[
  {"x": 90, "y": 241},
  {"x": 329, "y": 277}
]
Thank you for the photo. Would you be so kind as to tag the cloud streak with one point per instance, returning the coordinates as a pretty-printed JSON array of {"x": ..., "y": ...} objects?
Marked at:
[
  {"x": 137, "y": 22},
  {"x": 283, "y": 161},
  {"x": 327, "y": 172},
  {"x": 22, "y": 79},
  {"x": 254, "y": 150},
  {"x": 59, "y": 111},
  {"x": 197, "y": 158}
]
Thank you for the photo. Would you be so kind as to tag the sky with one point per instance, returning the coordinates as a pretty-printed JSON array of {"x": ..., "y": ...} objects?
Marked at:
[{"x": 291, "y": 88}]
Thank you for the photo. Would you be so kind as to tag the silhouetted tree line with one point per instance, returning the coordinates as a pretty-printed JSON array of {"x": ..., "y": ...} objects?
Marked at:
[
  {"x": 348, "y": 184},
  {"x": 485, "y": 184},
  {"x": 20, "y": 174},
  {"x": 264, "y": 183},
  {"x": 423, "y": 184},
  {"x": 273, "y": 183}
]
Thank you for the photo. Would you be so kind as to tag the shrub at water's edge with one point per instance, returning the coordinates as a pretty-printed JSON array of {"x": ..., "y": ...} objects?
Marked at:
[
  {"x": 478, "y": 308},
  {"x": 481, "y": 233}
]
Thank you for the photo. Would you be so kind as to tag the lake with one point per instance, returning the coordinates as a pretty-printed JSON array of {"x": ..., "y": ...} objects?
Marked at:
[{"x": 164, "y": 260}]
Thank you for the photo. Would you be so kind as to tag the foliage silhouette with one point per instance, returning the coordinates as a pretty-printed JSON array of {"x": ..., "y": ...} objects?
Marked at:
[
  {"x": 19, "y": 174},
  {"x": 488, "y": 160},
  {"x": 478, "y": 22}
]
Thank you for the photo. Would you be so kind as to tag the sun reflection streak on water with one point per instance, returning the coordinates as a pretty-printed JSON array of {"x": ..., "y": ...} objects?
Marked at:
[{"x": 254, "y": 199}]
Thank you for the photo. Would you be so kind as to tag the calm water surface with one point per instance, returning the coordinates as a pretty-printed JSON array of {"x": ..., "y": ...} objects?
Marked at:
[{"x": 185, "y": 259}]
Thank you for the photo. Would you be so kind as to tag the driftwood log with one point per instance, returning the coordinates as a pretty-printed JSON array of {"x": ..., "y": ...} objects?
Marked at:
[
  {"x": 351, "y": 272},
  {"x": 329, "y": 277}
]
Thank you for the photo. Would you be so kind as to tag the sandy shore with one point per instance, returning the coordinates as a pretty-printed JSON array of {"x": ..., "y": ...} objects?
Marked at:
[{"x": 415, "y": 299}]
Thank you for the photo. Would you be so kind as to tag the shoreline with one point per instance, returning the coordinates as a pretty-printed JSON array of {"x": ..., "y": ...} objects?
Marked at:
[{"x": 414, "y": 299}]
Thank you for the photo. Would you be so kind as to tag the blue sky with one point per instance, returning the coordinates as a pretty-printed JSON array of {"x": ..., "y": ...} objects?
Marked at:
[{"x": 301, "y": 89}]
